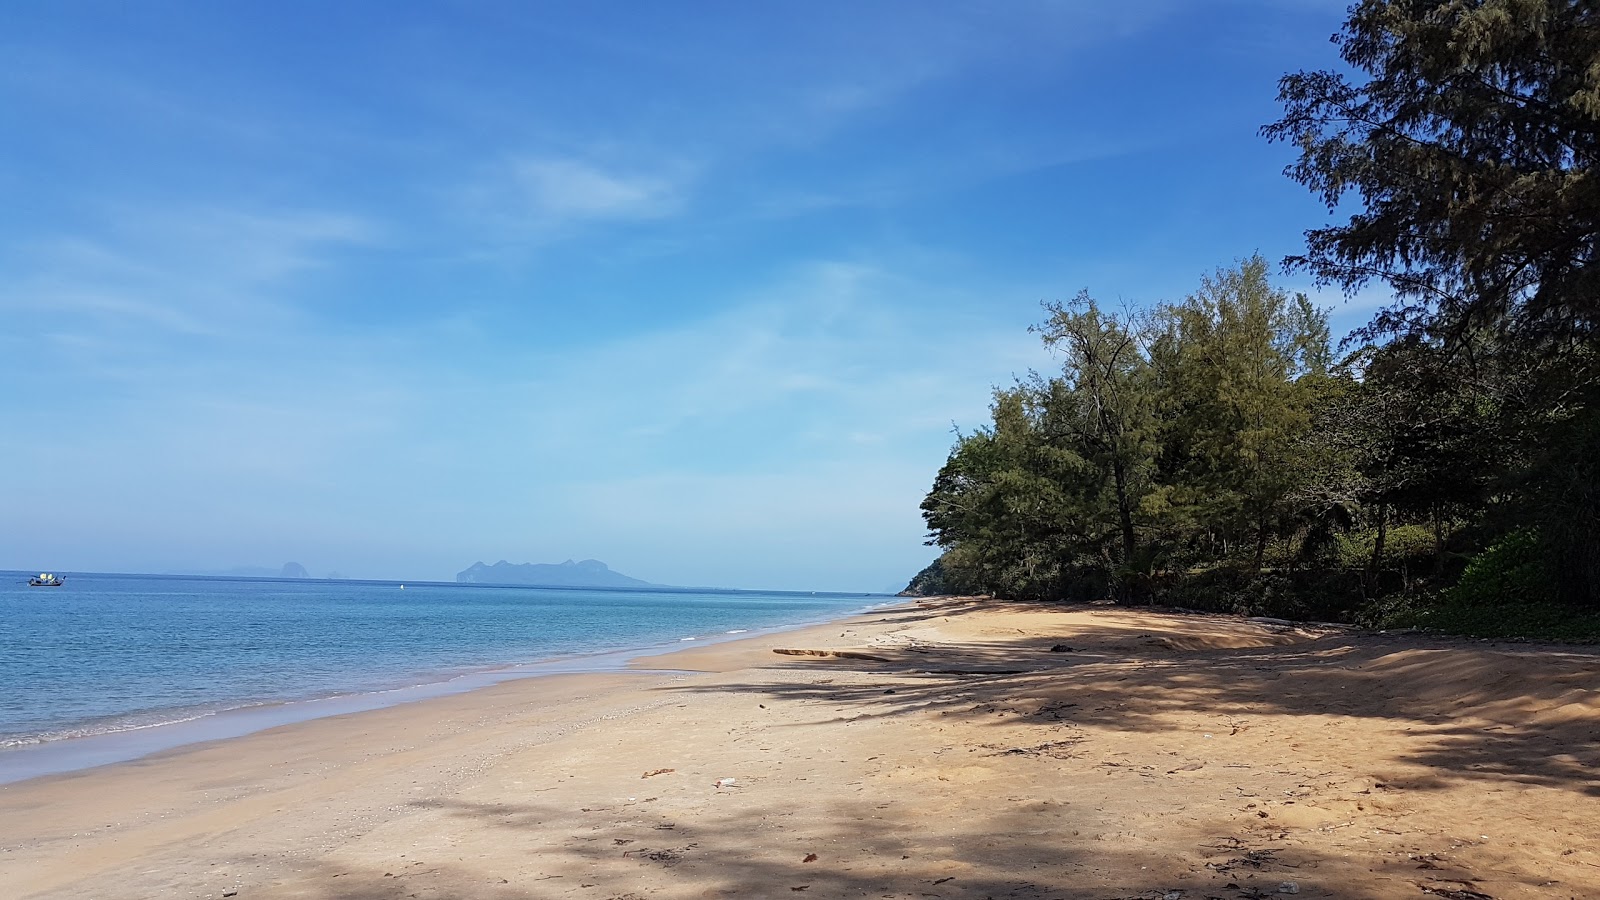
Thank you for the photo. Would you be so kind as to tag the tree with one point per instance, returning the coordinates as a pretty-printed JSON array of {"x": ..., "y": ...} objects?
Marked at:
[
  {"x": 1470, "y": 140},
  {"x": 1106, "y": 410},
  {"x": 1184, "y": 427},
  {"x": 1009, "y": 505},
  {"x": 1472, "y": 146},
  {"x": 1413, "y": 435},
  {"x": 1229, "y": 367}
]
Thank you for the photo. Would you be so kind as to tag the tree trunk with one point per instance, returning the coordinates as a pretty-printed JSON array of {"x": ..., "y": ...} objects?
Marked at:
[
  {"x": 1261, "y": 545},
  {"x": 1124, "y": 512},
  {"x": 1383, "y": 532},
  {"x": 1438, "y": 541},
  {"x": 1377, "y": 548}
]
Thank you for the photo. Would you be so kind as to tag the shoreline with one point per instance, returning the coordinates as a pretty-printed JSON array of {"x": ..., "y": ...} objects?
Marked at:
[
  {"x": 61, "y": 755},
  {"x": 945, "y": 748}
]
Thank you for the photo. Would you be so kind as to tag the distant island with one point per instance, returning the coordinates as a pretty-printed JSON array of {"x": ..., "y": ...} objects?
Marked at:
[{"x": 588, "y": 573}]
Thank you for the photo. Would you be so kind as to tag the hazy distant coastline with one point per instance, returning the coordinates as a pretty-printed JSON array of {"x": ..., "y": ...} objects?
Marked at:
[{"x": 587, "y": 573}]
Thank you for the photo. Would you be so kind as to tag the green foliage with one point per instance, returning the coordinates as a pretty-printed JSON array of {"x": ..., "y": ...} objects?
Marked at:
[
  {"x": 1558, "y": 493},
  {"x": 1471, "y": 141},
  {"x": 1210, "y": 454},
  {"x": 1046, "y": 501},
  {"x": 1469, "y": 134},
  {"x": 1165, "y": 439},
  {"x": 1236, "y": 365},
  {"x": 1314, "y": 595},
  {"x": 1205, "y": 456},
  {"x": 1537, "y": 620},
  {"x": 932, "y": 581},
  {"x": 1018, "y": 509},
  {"x": 1506, "y": 591},
  {"x": 1104, "y": 406},
  {"x": 1515, "y": 570},
  {"x": 1403, "y": 544},
  {"x": 1420, "y": 434}
]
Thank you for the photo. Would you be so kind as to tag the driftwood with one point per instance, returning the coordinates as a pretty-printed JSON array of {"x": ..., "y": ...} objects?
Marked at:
[{"x": 831, "y": 654}]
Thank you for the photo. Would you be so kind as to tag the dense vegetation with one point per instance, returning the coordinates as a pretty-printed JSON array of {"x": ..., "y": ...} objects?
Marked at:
[{"x": 1443, "y": 469}]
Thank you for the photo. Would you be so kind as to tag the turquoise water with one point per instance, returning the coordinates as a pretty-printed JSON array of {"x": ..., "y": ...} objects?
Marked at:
[{"x": 117, "y": 653}]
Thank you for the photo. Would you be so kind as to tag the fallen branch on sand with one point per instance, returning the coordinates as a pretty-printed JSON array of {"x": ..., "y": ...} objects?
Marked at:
[
  {"x": 831, "y": 654},
  {"x": 1055, "y": 749}
]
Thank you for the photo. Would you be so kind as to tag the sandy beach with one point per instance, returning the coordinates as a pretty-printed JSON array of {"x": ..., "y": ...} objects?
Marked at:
[{"x": 948, "y": 748}]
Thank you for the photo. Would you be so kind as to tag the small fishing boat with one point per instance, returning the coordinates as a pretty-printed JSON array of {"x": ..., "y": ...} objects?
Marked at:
[{"x": 45, "y": 579}]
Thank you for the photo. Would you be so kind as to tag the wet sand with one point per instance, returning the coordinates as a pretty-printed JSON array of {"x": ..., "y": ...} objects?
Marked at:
[{"x": 943, "y": 749}]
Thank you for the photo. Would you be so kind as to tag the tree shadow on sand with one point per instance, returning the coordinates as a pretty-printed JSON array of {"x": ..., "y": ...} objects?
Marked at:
[
  {"x": 1495, "y": 715},
  {"x": 859, "y": 852},
  {"x": 1517, "y": 713}
]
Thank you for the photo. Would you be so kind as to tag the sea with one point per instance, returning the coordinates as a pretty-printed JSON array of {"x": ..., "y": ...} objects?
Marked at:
[{"x": 111, "y": 667}]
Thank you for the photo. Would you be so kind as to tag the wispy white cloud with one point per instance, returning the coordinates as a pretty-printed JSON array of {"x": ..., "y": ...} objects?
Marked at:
[
  {"x": 817, "y": 89},
  {"x": 826, "y": 349},
  {"x": 891, "y": 53},
  {"x": 529, "y": 199},
  {"x": 567, "y": 189},
  {"x": 196, "y": 271}
]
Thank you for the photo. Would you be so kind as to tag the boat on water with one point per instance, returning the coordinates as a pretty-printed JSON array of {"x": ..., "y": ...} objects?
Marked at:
[{"x": 45, "y": 579}]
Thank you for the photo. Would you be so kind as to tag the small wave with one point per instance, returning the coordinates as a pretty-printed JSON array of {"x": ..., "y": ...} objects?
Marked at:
[
  {"x": 686, "y": 639},
  {"x": 95, "y": 729},
  {"x": 737, "y": 631}
]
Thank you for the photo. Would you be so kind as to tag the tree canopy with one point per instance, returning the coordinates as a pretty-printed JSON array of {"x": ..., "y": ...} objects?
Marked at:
[
  {"x": 1216, "y": 441},
  {"x": 1470, "y": 149}
]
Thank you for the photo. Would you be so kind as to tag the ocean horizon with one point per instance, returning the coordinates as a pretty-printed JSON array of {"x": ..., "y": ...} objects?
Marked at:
[{"x": 109, "y": 654}]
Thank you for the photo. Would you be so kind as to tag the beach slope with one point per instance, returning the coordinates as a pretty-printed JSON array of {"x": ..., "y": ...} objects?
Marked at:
[{"x": 946, "y": 748}]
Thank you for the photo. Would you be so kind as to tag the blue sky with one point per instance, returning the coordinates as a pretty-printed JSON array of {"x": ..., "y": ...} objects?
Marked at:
[{"x": 697, "y": 289}]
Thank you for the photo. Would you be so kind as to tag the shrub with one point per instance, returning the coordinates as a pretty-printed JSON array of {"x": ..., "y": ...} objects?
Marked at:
[
  {"x": 1513, "y": 571},
  {"x": 1308, "y": 594},
  {"x": 1402, "y": 544},
  {"x": 1507, "y": 591}
]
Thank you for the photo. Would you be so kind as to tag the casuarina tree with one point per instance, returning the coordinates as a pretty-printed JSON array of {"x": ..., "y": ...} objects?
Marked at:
[{"x": 1462, "y": 141}]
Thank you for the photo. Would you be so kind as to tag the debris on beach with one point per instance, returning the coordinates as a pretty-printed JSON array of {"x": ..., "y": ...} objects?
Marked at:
[
  {"x": 658, "y": 772},
  {"x": 1453, "y": 893},
  {"x": 830, "y": 654}
]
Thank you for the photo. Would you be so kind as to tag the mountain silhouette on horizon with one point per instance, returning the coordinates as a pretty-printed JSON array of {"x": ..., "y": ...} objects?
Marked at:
[{"x": 587, "y": 573}]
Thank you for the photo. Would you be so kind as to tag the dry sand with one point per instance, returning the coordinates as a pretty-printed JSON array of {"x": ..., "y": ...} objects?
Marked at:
[{"x": 949, "y": 752}]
